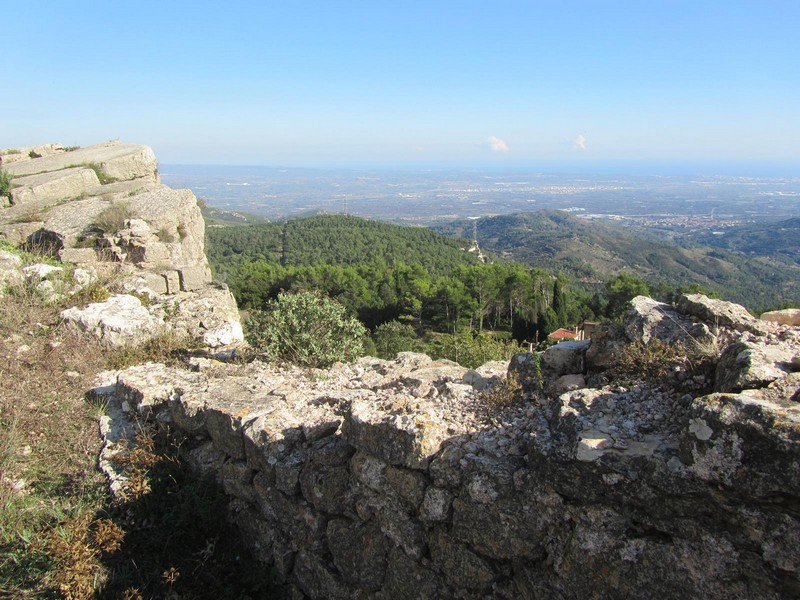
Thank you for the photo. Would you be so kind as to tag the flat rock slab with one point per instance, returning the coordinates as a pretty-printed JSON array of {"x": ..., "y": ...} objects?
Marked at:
[
  {"x": 69, "y": 221},
  {"x": 48, "y": 188},
  {"x": 115, "y": 159}
]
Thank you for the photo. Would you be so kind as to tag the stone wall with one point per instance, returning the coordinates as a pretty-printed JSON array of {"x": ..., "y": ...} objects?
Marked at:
[{"x": 399, "y": 479}]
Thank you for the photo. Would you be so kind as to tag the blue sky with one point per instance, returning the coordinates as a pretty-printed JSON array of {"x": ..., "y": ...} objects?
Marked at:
[{"x": 466, "y": 82}]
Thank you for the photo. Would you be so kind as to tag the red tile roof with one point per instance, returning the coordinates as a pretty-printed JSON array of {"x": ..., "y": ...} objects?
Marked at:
[{"x": 563, "y": 334}]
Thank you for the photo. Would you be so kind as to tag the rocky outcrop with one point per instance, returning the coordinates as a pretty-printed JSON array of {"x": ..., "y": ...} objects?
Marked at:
[
  {"x": 102, "y": 207},
  {"x": 411, "y": 479}
]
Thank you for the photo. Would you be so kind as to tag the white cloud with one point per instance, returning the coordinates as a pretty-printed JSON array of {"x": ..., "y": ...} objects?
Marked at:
[
  {"x": 579, "y": 143},
  {"x": 496, "y": 144}
]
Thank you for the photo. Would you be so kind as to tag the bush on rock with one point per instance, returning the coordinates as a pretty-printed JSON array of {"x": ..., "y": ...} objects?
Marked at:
[{"x": 306, "y": 328}]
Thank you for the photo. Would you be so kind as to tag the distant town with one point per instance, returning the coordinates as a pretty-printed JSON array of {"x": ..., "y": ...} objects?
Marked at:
[{"x": 674, "y": 205}]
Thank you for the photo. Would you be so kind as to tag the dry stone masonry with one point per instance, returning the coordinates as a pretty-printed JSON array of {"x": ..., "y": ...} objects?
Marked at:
[{"x": 401, "y": 479}]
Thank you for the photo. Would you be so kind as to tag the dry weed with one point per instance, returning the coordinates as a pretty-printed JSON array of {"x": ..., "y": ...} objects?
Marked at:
[
  {"x": 653, "y": 360},
  {"x": 507, "y": 392}
]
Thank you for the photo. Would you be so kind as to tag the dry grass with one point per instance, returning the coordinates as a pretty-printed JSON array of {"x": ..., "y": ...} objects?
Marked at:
[
  {"x": 30, "y": 214},
  {"x": 61, "y": 534},
  {"x": 507, "y": 392},
  {"x": 49, "y": 449},
  {"x": 651, "y": 361},
  {"x": 113, "y": 218}
]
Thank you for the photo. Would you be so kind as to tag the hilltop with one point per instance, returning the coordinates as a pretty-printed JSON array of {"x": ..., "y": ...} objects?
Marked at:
[{"x": 337, "y": 240}]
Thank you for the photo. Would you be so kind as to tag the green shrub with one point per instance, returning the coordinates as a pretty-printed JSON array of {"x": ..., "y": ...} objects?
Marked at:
[
  {"x": 5, "y": 182},
  {"x": 393, "y": 337},
  {"x": 471, "y": 349},
  {"x": 306, "y": 328}
]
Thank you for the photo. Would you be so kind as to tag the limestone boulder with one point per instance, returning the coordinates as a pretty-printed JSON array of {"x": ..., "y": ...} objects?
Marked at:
[
  {"x": 787, "y": 316},
  {"x": 608, "y": 341},
  {"x": 407, "y": 440},
  {"x": 567, "y": 383},
  {"x": 746, "y": 365},
  {"x": 647, "y": 319},
  {"x": 120, "y": 320},
  {"x": 45, "y": 150},
  {"x": 744, "y": 442},
  {"x": 359, "y": 552},
  {"x": 40, "y": 271},
  {"x": 566, "y": 358},
  {"x": 15, "y": 233},
  {"x": 720, "y": 313},
  {"x": 174, "y": 235},
  {"x": 209, "y": 315},
  {"x": 10, "y": 269},
  {"x": 13, "y": 155},
  {"x": 525, "y": 368}
]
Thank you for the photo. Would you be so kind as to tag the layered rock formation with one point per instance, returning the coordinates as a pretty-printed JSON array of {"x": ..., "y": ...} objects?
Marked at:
[
  {"x": 103, "y": 208},
  {"x": 400, "y": 479}
]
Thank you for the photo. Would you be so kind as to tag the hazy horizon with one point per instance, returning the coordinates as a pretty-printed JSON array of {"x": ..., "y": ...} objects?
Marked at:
[{"x": 747, "y": 169}]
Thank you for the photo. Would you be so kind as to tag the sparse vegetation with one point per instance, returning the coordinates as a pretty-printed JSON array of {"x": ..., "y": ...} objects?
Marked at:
[
  {"x": 30, "y": 214},
  {"x": 507, "y": 392},
  {"x": 61, "y": 534},
  {"x": 103, "y": 177},
  {"x": 113, "y": 218},
  {"x": 168, "y": 348},
  {"x": 89, "y": 241},
  {"x": 94, "y": 292}
]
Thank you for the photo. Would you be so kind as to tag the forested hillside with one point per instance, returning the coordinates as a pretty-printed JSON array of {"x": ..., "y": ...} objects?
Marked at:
[
  {"x": 593, "y": 250},
  {"x": 337, "y": 240}
]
